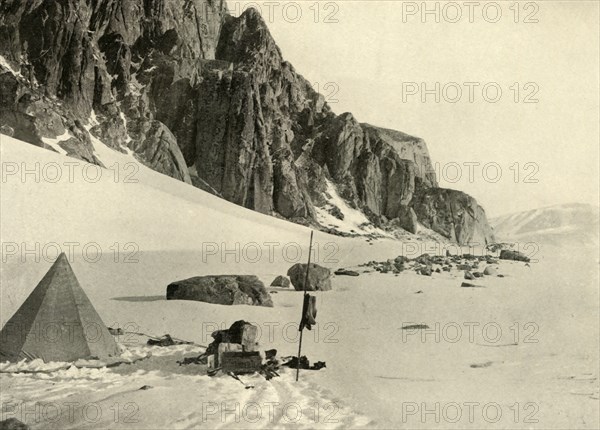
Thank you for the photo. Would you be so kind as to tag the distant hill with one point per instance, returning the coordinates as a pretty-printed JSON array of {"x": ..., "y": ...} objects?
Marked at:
[{"x": 568, "y": 224}]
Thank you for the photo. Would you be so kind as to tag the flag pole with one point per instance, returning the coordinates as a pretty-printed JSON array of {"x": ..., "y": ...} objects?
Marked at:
[{"x": 303, "y": 300}]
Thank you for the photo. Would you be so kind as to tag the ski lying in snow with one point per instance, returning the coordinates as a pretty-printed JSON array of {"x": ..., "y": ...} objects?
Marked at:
[{"x": 234, "y": 376}]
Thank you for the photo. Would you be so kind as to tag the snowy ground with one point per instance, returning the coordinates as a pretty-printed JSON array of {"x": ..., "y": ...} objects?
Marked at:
[{"x": 535, "y": 363}]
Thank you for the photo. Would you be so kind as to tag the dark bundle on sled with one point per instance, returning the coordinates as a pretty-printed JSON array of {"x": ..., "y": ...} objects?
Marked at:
[{"x": 304, "y": 363}]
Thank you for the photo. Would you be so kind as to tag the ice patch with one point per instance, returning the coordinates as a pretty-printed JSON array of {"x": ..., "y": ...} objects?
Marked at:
[
  {"x": 110, "y": 157},
  {"x": 92, "y": 121},
  {"x": 6, "y": 65},
  {"x": 54, "y": 143},
  {"x": 354, "y": 220}
]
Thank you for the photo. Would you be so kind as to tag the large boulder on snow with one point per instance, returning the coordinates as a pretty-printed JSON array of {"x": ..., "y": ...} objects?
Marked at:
[
  {"x": 507, "y": 254},
  {"x": 222, "y": 290},
  {"x": 319, "y": 278}
]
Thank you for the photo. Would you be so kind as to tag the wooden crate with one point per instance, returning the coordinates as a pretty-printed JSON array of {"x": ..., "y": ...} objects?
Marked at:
[
  {"x": 226, "y": 347},
  {"x": 240, "y": 362}
]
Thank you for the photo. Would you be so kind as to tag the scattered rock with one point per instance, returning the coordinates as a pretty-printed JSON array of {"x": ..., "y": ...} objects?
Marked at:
[
  {"x": 481, "y": 365},
  {"x": 478, "y": 274},
  {"x": 146, "y": 387},
  {"x": 469, "y": 285},
  {"x": 469, "y": 275},
  {"x": 415, "y": 327},
  {"x": 401, "y": 259},
  {"x": 399, "y": 265},
  {"x": 426, "y": 271},
  {"x": 346, "y": 272}
]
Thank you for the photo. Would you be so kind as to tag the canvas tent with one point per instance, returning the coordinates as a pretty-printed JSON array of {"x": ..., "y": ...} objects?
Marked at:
[{"x": 57, "y": 322}]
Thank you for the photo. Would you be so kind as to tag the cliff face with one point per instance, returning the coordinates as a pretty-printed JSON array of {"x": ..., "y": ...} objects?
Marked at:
[{"x": 187, "y": 87}]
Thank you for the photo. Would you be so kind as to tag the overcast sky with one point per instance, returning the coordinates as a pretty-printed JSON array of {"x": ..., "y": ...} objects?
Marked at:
[{"x": 379, "y": 56}]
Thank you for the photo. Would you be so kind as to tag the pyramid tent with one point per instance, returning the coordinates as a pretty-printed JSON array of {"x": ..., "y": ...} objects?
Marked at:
[{"x": 57, "y": 322}]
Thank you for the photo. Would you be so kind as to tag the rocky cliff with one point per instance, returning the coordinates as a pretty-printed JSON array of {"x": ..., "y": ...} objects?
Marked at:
[{"x": 189, "y": 88}]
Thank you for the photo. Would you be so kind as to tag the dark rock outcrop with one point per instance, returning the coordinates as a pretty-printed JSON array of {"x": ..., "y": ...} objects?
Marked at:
[
  {"x": 222, "y": 290},
  {"x": 453, "y": 214},
  {"x": 184, "y": 85},
  {"x": 319, "y": 278}
]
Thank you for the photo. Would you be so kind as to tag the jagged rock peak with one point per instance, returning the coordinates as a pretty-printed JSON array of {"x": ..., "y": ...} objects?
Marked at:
[{"x": 189, "y": 88}]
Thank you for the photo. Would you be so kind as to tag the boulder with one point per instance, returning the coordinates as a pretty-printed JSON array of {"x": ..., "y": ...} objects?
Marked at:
[
  {"x": 346, "y": 272},
  {"x": 490, "y": 271},
  {"x": 477, "y": 274},
  {"x": 401, "y": 259},
  {"x": 399, "y": 266},
  {"x": 469, "y": 275},
  {"x": 424, "y": 259},
  {"x": 222, "y": 290},
  {"x": 426, "y": 271},
  {"x": 281, "y": 281},
  {"x": 407, "y": 219},
  {"x": 13, "y": 424},
  {"x": 507, "y": 254},
  {"x": 319, "y": 278}
]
